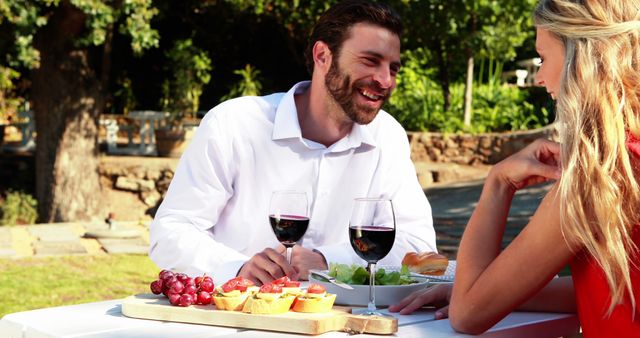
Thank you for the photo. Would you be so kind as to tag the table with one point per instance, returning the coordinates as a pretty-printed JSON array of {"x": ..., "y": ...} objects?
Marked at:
[{"x": 105, "y": 320}]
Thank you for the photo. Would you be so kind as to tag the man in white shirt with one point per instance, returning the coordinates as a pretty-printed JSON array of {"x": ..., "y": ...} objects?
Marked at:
[{"x": 327, "y": 137}]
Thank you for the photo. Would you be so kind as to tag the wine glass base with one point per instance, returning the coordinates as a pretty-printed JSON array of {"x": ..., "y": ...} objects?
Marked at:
[{"x": 367, "y": 312}]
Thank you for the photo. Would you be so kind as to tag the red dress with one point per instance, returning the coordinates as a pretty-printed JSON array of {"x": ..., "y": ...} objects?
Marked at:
[{"x": 593, "y": 296}]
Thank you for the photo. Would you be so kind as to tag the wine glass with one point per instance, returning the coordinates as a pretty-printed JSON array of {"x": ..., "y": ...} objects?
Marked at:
[
  {"x": 289, "y": 217},
  {"x": 372, "y": 231}
]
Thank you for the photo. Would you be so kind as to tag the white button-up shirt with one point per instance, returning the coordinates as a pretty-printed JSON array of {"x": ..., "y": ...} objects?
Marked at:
[{"x": 215, "y": 215}]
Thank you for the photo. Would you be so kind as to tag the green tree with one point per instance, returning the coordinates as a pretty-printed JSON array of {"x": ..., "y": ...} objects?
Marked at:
[
  {"x": 295, "y": 17},
  {"x": 456, "y": 31},
  {"x": 189, "y": 70},
  {"x": 249, "y": 85},
  {"x": 67, "y": 44}
]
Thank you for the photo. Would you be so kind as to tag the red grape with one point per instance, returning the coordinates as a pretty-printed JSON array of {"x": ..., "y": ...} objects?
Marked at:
[
  {"x": 204, "y": 298},
  {"x": 156, "y": 287},
  {"x": 165, "y": 273},
  {"x": 182, "y": 290},
  {"x": 190, "y": 289},
  {"x": 174, "y": 298},
  {"x": 186, "y": 300},
  {"x": 207, "y": 286},
  {"x": 169, "y": 280},
  {"x": 182, "y": 277},
  {"x": 176, "y": 287}
]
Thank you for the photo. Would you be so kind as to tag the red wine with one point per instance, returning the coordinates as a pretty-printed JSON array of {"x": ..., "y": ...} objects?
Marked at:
[
  {"x": 372, "y": 243},
  {"x": 289, "y": 228}
]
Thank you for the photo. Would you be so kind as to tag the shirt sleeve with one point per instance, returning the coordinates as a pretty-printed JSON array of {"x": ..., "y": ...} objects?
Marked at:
[
  {"x": 180, "y": 234},
  {"x": 414, "y": 221}
]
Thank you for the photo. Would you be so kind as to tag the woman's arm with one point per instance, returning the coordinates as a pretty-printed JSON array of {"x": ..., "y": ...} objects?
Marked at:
[
  {"x": 560, "y": 290},
  {"x": 491, "y": 283}
]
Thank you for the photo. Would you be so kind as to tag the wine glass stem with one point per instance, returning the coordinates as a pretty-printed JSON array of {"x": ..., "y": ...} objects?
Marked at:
[
  {"x": 372, "y": 283},
  {"x": 289, "y": 250}
]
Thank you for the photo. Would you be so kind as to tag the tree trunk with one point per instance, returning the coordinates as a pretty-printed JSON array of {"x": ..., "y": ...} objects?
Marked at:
[
  {"x": 66, "y": 96},
  {"x": 468, "y": 88},
  {"x": 468, "y": 93},
  {"x": 443, "y": 74}
]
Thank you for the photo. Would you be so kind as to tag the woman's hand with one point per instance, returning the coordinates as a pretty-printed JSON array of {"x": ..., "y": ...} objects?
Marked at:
[
  {"x": 536, "y": 163},
  {"x": 437, "y": 295}
]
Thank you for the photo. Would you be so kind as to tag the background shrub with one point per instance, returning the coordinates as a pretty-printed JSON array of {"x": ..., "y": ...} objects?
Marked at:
[
  {"x": 418, "y": 102},
  {"x": 18, "y": 208}
]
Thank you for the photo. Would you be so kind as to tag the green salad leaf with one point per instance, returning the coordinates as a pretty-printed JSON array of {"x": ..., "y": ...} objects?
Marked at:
[{"x": 358, "y": 275}]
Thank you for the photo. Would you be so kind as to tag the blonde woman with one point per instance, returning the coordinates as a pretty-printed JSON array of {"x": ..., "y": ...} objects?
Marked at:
[{"x": 589, "y": 220}]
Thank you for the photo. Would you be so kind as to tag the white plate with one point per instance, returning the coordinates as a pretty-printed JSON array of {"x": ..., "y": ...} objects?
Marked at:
[{"x": 385, "y": 294}]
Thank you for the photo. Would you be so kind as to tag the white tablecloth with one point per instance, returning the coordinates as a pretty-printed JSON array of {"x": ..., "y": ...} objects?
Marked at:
[{"x": 105, "y": 320}]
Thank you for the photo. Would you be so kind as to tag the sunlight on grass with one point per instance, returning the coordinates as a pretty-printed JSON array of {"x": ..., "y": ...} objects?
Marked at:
[{"x": 34, "y": 283}]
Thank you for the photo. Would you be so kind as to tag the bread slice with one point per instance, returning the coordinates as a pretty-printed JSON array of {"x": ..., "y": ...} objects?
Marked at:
[
  {"x": 235, "y": 303},
  {"x": 268, "y": 306},
  {"x": 322, "y": 304}
]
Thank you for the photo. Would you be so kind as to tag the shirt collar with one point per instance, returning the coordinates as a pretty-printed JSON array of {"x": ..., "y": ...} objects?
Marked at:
[{"x": 287, "y": 126}]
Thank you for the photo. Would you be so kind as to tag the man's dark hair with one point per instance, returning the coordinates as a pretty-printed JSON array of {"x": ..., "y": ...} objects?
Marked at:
[{"x": 333, "y": 27}]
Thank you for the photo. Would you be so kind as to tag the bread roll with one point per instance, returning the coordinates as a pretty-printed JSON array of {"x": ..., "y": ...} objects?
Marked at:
[{"x": 426, "y": 263}]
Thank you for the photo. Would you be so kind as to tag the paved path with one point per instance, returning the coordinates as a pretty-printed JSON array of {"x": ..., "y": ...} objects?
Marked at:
[
  {"x": 452, "y": 205},
  {"x": 42, "y": 240}
]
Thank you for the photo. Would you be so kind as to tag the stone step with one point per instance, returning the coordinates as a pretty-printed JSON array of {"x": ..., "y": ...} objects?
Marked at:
[
  {"x": 124, "y": 245},
  {"x": 59, "y": 248},
  {"x": 53, "y": 233}
]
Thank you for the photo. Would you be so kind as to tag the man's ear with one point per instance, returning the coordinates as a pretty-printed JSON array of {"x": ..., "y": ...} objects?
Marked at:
[{"x": 322, "y": 56}]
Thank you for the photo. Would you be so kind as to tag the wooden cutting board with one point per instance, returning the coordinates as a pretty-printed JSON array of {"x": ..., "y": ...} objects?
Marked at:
[{"x": 149, "y": 306}]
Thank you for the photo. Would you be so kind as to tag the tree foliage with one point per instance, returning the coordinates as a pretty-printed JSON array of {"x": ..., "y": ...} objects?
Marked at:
[
  {"x": 454, "y": 30},
  {"x": 188, "y": 69},
  {"x": 123, "y": 50},
  {"x": 249, "y": 85},
  {"x": 133, "y": 18},
  {"x": 59, "y": 42}
]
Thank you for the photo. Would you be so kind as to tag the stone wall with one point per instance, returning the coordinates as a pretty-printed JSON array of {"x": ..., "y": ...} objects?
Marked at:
[
  {"x": 134, "y": 186},
  {"x": 468, "y": 149},
  {"x": 135, "y": 183}
]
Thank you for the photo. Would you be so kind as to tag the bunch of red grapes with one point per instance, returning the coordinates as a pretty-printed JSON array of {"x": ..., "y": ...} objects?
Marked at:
[{"x": 183, "y": 290}]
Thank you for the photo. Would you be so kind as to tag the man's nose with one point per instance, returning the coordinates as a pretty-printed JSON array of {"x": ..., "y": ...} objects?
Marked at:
[{"x": 384, "y": 78}]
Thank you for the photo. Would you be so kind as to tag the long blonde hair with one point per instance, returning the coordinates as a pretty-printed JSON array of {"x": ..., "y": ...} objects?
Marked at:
[{"x": 597, "y": 105}]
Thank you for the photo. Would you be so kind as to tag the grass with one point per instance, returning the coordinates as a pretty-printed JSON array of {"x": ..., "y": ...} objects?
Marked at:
[{"x": 33, "y": 283}]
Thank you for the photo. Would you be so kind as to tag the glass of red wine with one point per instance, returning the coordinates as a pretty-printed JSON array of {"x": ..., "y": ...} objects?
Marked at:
[
  {"x": 289, "y": 217},
  {"x": 372, "y": 231}
]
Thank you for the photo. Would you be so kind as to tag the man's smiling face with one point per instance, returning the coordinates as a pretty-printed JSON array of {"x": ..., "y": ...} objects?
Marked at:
[{"x": 363, "y": 75}]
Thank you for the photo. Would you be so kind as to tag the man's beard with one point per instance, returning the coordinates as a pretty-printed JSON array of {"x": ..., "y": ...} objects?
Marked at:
[{"x": 340, "y": 88}]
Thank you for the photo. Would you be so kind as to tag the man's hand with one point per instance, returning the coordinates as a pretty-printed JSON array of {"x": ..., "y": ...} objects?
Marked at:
[
  {"x": 302, "y": 260},
  {"x": 437, "y": 295},
  {"x": 266, "y": 266}
]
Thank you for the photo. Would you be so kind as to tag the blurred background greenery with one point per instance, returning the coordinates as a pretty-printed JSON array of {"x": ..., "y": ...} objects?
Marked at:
[
  {"x": 73, "y": 61},
  {"x": 187, "y": 56}
]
